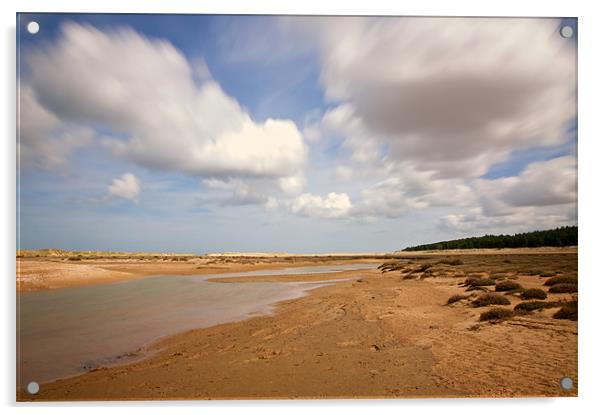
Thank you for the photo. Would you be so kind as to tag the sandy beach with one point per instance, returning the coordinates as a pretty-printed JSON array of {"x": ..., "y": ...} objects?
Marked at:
[{"x": 373, "y": 334}]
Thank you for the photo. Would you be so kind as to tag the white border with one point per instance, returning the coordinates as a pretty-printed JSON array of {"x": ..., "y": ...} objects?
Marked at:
[{"x": 590, "y": 347}]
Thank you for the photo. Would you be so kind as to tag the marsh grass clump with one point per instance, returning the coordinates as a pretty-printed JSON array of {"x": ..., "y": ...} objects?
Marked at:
[
  {"x": 481, "y": 282},
  {"x": 456, "y": 297},
  {"x": 568, "y": 311},
  {"x": 567, "y": 279},
  {"x": 490, "y": 299},
  {"x": 536, "y": 305},
  {"x": 563, "y": 288},
  {"x": 423, "y": 267},
  {"x": 534, "y": 293},
  {"x": 391, "y": 266},
  {"x": 507, "y": 286},
  {"x": 498, "y": 276},
  {"x": 468, "y": 281},
  {"x": 474, "y": 274},
  {"x": 453, "y": 262},
  {"x": 515, "y": 291},
  {"x": 496, "y": 313},
  {"x": 429, "y": 273},
  {"x": 472, "y": 288}
]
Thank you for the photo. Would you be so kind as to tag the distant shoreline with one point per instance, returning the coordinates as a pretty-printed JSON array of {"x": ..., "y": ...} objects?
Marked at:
[
  {"x": 60, "y": 253},
  {"x": 35, "y": 273}
]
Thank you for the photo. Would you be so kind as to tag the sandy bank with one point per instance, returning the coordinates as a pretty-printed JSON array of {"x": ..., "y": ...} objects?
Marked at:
[
  {"x": 379, "y": 336},
  {"x": 34, "y": 274}
]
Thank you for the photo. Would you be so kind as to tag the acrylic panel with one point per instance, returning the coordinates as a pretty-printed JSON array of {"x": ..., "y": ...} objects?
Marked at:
[{"x": 290, "y": 207}]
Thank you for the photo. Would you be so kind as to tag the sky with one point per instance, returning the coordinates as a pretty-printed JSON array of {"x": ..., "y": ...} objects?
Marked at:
[{"x": 211, "y": 133}]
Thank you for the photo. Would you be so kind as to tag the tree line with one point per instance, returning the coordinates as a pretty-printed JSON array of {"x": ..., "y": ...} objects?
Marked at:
[{"x": 563, "y": 236}]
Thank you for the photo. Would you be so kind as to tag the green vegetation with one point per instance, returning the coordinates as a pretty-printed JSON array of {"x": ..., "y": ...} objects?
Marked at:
[{"x": 564, "y": 236}]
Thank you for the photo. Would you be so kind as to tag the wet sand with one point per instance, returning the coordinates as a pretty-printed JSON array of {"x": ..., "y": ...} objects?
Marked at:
[
  {"x": 67, "y": 332},
  {"x": 378, "y": 336},
  {"x": 35, "y": 274}
]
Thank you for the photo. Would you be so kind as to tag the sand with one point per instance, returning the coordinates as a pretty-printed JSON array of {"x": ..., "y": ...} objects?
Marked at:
[
  {"x": 379, "y": 335},
  {"x": 34, "y": 274}
]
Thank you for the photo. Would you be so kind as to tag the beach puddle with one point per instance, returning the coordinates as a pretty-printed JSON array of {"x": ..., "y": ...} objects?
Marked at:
[{"x": 64, "y": 332}]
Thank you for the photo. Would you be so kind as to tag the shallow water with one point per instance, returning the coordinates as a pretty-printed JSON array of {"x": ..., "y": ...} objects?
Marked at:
[{"x": 67, "y": 331}]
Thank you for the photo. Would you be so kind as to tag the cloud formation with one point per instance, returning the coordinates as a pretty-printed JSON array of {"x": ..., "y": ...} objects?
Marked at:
[
  {"x": 44, "y": 141},
  {"x": 543, "y": 183},
  {"x": 415, "y": 112},
  {"x": 544, "y": 195},
  {"x": 454, "y": 95},
  {"x": 153, "y": 106},
  {"x": 431, "y": 104},
  {"x": 127, "y": 186},
  {"x": 333, "y": 206}
]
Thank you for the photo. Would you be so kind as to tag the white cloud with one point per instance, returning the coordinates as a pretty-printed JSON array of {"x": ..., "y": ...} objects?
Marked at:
[
  {"x": 521, "y": 220},
  {"x": 334, "y": 205},
  {"x": 127, "y": 187},
  {"x": 408, "y": 188},
  {"x": 312, "y": 125},
  {"x": 292, "y": 185},
  {"x": 44, "y": 141},
  {"x": 271, "y": 204},
  {"x": 543, "y": 183},
  {"x": 342, "y": 120},
  {"x": 239, "y": 192},
  {"x": 200, "y": 69},
  {"x": 430, "y": 104},
  {"x": 165, "y": 112},
  {"x": 544, "y": 195},
  {"x": 343, "y": 173},
  {"x": 424, "y": 106},
  {"x": 451, "y": 95}
]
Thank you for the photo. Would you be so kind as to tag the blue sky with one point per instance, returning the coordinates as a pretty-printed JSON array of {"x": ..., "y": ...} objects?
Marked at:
[{"x": 202, "y": 133}]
